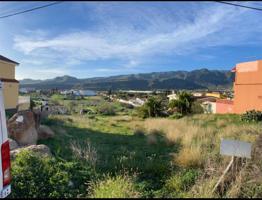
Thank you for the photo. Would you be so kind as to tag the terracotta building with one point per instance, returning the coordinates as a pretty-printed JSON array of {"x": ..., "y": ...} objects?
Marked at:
[
  {"x": 224, "y": 106},
  {"x": 248, "y": 86}
]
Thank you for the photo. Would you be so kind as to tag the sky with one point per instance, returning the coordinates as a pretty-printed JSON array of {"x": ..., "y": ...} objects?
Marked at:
[{"x": 96, "y": 39}]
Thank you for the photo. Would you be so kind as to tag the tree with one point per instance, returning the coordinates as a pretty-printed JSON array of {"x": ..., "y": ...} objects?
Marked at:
[
  {"x": 32, "y": 104},
  {"x": 152, "y": 108},
  {"x": 183, "y": 103}
]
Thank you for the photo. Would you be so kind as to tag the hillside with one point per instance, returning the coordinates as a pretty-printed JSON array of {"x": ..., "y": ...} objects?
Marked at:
[{"x": 196, "y": 79}]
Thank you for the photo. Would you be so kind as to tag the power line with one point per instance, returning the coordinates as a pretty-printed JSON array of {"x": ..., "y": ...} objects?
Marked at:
[
  {"x": 17, "y": 7},
  {"x": 232, "y": 4},
  {"x": 29, "y": 10}
]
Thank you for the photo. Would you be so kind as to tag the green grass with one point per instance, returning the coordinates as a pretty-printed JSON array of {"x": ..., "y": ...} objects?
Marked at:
[
  {"x": 115, "y": 150},
  {"x": 116, "y": 145},
  {"x": 121, "y": 186}
]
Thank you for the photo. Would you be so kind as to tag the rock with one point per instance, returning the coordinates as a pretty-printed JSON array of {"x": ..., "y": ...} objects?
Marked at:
[
  {"x": 13, "y": 144},
  {"x": 41, "y": 149},
  {"x": 45, "y": 111},
  {"x": 44, "y": 132},
  {"x": 22, "y": 128},
  {"x": 37, "y": 116}
]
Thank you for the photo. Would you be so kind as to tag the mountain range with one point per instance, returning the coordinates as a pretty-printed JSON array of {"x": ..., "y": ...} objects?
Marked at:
[{"x": 196, "y": 79}]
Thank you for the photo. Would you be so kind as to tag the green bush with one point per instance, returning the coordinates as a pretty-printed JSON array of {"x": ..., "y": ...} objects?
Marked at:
[
  {"x": 34, "y": 176},
  {"x": 56, "y": 98},
  {"x": 152, "y": 108},
  {"x": 176, "y": 116},
  {"x": 197, "y": 108},
  {"x": 106, "y": 109},
  {"x": 121, "y": 186},
  {"x": 183, "y": 104},
  {"x": 252, "y": 116},
  {"x": 179, "y": 184}
]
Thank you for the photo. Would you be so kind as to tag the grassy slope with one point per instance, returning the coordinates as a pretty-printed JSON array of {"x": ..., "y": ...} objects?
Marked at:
[
  {"x": 117, "y": 148},
  {"x": 165, "y": 164}
]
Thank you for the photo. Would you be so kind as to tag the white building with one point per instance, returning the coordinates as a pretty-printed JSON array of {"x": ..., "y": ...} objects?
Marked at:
[
  {"x": 209, "y": 107},
  {"x": 79, "y": 92},
  {"x": 172, "y": 97},
  {"x": 26, "y": 90},
  {"x": 197, "y": 94},
  {"x": 87, "y": 92}
]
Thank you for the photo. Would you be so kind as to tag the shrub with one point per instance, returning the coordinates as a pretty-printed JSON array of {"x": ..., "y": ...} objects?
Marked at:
[
  {"x": 151, "y": 139},
  {"x": 35, "y": 176},
  {"x": 84, "y": 150},
  {"x": 183, "y": 103},
  {"x": 121, "y": 186},
  {"x": 152, "y": 108},
  {"x": 176, "y": 116},
  {"x": 71, "y": 106},
  {"x": 139, "y": 132},
  {"x": 252, "y": 116},
  {"x": 56, "y": 99},
  {"x": 178, "y": 184},
  {"x": 106, "y": 109},
  {"x": 142, "y": 112},
  {"x": 197, "y": 108}
]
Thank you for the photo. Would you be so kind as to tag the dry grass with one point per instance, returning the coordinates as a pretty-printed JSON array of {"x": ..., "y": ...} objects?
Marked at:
[
  {"x": 189, "y": 157},
  {"x": 203, "y": 189},
  {"x": 200, "y": 135},
  {"x": 184, "y": 132},
  {"x": 85, "y": 151},
  {"x": 248, "y": 181},
  {"x": 221, "y": 123}
]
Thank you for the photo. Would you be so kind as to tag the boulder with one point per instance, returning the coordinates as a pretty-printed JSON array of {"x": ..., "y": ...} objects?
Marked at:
[
  {"x": 13, "y": 144},
  {"x": 22, "y": 128},
  {"x": 44, "y": 132},
  {"x": 41, "y": 149}
]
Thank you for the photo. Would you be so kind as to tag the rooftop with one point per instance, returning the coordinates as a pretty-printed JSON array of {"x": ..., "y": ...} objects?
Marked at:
[{"x": 8, "y": 60}]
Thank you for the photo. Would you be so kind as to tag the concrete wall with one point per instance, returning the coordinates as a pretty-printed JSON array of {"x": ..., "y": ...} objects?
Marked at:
[
  {"x": 209, "y": 107},
  {"x": 23, "y": 103},
  {"x": 248, "y": 87},
  {"x": 7, "y": 70},
  {"x": 10, "y": 85},
  {"x": 247, "y": 97},
  {"x": 224, "y": 106},
  {"x": 10, "y": 90}
]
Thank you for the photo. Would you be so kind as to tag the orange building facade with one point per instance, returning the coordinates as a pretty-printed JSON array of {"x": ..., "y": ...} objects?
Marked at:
[
  {"x": 248, "y": 86},
  {"x": 224, "y": 106}
]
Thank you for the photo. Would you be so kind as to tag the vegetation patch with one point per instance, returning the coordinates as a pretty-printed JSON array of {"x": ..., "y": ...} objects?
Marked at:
[
  {"x": 35, "y": 176},
  {"x": 121, "y": 186},
  {"x": 252, "y": 116},
  {"x": 162, "y": 157}
]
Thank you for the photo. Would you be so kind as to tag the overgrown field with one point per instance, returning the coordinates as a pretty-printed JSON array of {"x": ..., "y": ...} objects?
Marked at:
[{"x": 126, "y": 156}]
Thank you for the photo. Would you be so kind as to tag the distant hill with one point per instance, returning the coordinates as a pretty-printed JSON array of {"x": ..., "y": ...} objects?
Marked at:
[{"x": 196, "y": 79}]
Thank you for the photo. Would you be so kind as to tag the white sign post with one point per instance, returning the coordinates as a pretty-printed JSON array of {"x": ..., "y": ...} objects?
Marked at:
[{"x": 233, "y": 148}]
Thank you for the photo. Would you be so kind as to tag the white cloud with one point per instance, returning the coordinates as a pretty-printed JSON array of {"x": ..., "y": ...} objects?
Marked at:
[
  {"x": 127, "y": 42},
  {"x": 160, "y": 32}
]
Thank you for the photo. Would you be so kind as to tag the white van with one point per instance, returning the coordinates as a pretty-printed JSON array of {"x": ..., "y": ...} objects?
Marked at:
[{"x": 5, "y": 164}]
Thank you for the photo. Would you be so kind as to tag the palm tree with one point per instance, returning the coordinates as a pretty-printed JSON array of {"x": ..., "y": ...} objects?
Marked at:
[
  {"x": 152, "y": 108},
  {"x": 183, "y": 103}
]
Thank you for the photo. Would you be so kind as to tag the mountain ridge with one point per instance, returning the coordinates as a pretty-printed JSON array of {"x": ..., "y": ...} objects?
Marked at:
[{"x": 195, "y": 79}]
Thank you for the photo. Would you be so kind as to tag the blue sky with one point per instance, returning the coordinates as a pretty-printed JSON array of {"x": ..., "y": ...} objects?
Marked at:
[{"x": 90, "y": 39}]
